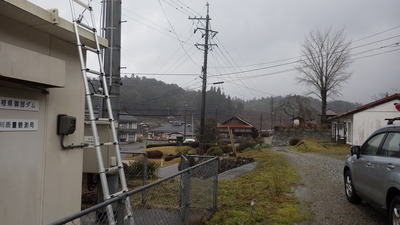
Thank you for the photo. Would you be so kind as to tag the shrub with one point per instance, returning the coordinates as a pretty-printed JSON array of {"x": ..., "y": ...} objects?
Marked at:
[
  {"x": 170, "y": 157},
  {"x": 183, "y": 150},
  {"x": 154, "y": 154},
  {"x": 246, "y": 142},
  {"x": 226, "y": 148},
  {"x": 194, "y": 144},
  {"x": 214, "y": 151},
  {"x": 207, "y": 146},
  {"x": 266, "y": 145},
  {"x": 294, "y": 141},
  {"x": 135, "y": 169}
]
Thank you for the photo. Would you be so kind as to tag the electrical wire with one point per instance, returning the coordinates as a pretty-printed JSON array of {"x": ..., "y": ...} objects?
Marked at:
[{"x": 169, "y": 22}]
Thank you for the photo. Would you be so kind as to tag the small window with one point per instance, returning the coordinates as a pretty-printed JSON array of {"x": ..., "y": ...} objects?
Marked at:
[
  {"x": 391, "y": 147},
  {"x": 371, "y": 147}
]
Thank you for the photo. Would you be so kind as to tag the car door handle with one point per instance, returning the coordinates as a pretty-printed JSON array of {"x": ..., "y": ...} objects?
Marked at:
[{"x": 390, "y": 166}]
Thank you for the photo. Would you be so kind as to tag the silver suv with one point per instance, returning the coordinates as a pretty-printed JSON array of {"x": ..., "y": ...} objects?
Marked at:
[{"x": 372, "y": 172}]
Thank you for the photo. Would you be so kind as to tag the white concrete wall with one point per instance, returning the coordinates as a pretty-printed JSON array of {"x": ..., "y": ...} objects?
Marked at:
[
  {"x": 40, "y": 182},
  {"x": 367, "y": 121}
]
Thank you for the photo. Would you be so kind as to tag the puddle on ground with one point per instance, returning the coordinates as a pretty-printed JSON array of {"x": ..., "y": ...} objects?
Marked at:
[{"x": 303, "y": 193}]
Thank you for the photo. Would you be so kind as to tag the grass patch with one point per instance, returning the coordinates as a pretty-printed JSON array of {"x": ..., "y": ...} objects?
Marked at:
[
  {"x": 339, "y": 151},
  {"x": 269, "y": 186}
]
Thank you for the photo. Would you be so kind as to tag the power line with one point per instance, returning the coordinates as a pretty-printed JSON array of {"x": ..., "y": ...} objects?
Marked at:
[
  {"x": 376, "y": 34},
  {"x": 367, "y": 56},
  {"x": 169, "y": 22}
]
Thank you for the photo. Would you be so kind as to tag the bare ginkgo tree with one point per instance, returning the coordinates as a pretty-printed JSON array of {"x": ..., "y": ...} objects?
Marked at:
[{"x": 325, "y": 58}]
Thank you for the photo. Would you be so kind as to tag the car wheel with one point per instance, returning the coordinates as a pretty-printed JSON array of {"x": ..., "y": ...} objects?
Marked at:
[
  {"x": 395, "y": 211},
  {"x": 349, "y": 189}
]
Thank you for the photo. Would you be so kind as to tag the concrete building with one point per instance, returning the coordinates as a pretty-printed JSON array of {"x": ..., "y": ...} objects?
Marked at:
[{"x": 40, "y": 79}]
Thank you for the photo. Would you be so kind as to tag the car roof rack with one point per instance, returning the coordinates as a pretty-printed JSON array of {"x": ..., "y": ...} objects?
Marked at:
[{"x": 390, "y": 121}]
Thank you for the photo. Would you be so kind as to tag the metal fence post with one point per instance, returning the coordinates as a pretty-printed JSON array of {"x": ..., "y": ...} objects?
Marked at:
[
  {"x": 215, "y": 189},
  {"x": 144, "y": 192},
  {"x": 185, "y": 191},
  {"x": 121, "y": 212}
]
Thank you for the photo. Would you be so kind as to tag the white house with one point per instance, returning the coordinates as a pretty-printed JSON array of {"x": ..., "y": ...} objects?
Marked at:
[
  {"x": 355, "y": 126},
  {"x": 128, "y": 128}
]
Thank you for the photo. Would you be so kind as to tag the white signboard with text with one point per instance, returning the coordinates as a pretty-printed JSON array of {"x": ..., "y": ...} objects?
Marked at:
[
  {"x": 18, "y": 125},
  {"x": 19, "y": 104}
]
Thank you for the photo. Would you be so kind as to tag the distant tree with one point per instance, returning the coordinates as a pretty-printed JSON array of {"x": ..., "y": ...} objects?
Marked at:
[
  {"x": 210, "y": 130},
  {"x": 298, "y": 106},
  {"x": 325, "y": 58}
]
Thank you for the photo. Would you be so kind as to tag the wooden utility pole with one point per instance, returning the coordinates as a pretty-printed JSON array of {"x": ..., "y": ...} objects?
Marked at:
[{"x": 205, "y": 46}]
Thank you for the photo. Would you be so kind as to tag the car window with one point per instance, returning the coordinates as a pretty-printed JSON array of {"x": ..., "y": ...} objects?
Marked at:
[
  {"x": 372, "y": 145},
  {"x": 391, "y": 146}
]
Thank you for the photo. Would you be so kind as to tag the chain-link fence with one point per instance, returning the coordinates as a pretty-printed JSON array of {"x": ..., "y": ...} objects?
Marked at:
[
  {"x": 188, "y": 197},
  {"x": 136, "y": 173}
]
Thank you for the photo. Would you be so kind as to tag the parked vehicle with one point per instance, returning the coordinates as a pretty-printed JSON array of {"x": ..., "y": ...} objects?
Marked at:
[
  {"x": 372, "y": 171},
  {"x": 189, "y": 140}
]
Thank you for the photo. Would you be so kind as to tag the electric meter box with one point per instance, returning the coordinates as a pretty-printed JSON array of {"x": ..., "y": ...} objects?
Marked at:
[{"x": 90, "y": 164}]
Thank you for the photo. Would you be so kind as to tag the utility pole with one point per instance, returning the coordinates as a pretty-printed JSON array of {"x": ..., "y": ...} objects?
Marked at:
[
  {"x": 185, "y": 123},
  {"x": 206, "y": 46},
  {"x": 111, "y": 27},
  {"x": 272, "y": 112}
]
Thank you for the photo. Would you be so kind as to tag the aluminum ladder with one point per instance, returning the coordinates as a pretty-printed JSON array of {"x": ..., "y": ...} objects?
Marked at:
[{"x": 88, "y": 24}]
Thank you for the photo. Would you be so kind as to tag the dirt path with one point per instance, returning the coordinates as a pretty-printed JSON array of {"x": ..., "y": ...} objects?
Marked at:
[{"x": 321, "y": 191}]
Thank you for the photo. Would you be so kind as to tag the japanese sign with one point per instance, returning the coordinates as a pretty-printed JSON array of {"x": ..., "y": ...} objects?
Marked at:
[
  {"x": 19, "y": 104},
  {"x": 18, "y": 125}
]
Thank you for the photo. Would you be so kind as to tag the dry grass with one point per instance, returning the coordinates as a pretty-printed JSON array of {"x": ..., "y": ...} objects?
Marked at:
[
  {"x": 338, "y": 151},
  {"x": 268, "y": 186}
]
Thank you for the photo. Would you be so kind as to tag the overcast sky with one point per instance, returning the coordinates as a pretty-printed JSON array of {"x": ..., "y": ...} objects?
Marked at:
[{"x": 256, "y": 42}]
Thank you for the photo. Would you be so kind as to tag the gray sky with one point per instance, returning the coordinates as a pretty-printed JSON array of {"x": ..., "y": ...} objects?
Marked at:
[{"x": 258, "y": 36}]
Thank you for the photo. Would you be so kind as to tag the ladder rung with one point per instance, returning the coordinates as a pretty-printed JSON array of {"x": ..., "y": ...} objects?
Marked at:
[
  {"x": 83, "y": 4},
  {"x": 98, "y": 121},
  {"x": 111, "y": 169},
  {"x": 118, "y": 193},
  {"x": 93, "y": 71},
  {"x": 106, "y": 144},
  {"x": 91, "y": 49},
  {"x": 128, "y": 216},
  {"x": 103, "y": 119},
  {"x": 98, "y": 95},
  {"x": 78, "y": 22},
  {"x": 109, "y": 143}
]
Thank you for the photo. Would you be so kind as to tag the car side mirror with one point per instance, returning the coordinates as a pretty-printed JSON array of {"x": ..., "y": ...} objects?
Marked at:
[{"x": 355, "y": 150}]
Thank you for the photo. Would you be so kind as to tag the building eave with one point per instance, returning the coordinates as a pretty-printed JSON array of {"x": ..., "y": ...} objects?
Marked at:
[
  {"x": 47, "y": 21},
  {"x": 368, "y": 106}
]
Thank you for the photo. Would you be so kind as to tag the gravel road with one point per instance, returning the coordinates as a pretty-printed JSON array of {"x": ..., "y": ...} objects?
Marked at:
[{"x": 321, "y": 189}]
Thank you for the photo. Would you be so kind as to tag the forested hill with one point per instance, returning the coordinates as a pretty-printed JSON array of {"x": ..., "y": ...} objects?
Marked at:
[
  {"x": 144, "y": 97},
  {"x": 149, "y": 98}
]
